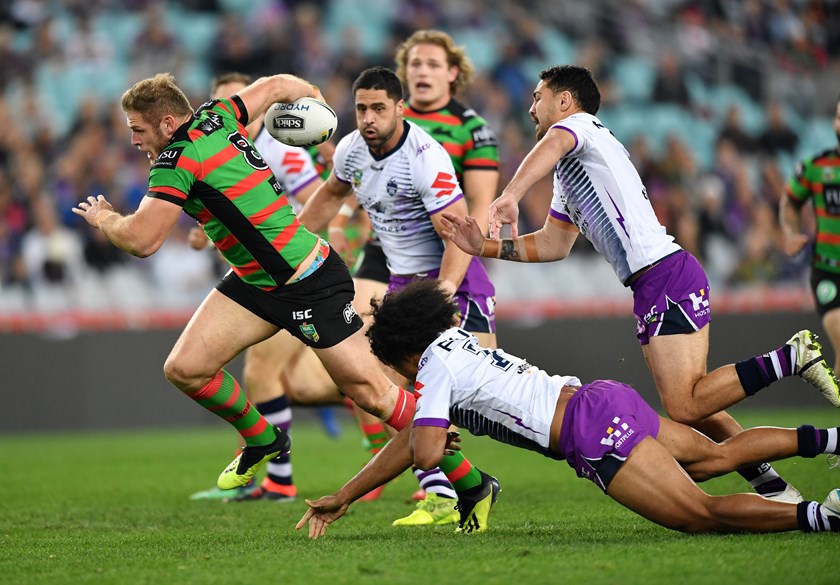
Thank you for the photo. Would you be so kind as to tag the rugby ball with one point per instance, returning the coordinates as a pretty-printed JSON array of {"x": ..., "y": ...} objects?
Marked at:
[{"x": 304, "y": 122}]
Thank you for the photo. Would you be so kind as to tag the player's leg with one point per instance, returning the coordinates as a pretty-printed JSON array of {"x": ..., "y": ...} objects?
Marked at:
[
  {"x": 652, "y": 484},
  {"x": 217, "y": 332},
  {"x": 371, "y": 282},
  {"x": 263, "y": 370},
  {"x": 671, "y": 304},
  {"x": 703, "y": 458},
  {"x": 262, "y": 375},
  {"x": 308, "y": 382},
  {"x": 684, "y": 357}
]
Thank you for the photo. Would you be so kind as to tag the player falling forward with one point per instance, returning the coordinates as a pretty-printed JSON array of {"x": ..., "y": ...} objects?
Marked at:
[{"x": 604, "y": 430}]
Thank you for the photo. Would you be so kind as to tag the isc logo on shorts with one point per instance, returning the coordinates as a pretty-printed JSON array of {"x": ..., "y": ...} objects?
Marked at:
[{"x": 302, "y": 315}]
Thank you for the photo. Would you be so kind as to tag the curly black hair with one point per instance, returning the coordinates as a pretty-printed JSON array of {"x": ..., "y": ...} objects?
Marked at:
[{"x": 407, "y": 321}]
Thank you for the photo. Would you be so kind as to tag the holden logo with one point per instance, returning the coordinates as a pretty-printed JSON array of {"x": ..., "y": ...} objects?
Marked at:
[{"x": 288, "y": 121}]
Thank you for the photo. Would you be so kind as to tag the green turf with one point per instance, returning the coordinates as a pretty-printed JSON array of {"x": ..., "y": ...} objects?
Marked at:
[{"x": 113, "y": 508}]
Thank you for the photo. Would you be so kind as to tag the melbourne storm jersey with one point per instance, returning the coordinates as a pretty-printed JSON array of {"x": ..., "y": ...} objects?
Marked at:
[
  {"x": 597, "y": 188},
  {"x": 400, "y": 191},
  {"x": 292, "y": 165},
  {"x": 487, "y": 391},
  {"x": 818, "y": 178},
  {"x": 214, "y": 172},
  {"x": 470, "y": 143}
]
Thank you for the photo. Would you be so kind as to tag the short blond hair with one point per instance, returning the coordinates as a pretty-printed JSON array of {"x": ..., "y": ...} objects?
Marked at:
[
  {"x": 456, "y": 56},
  {"x": 156, "y": 97}
]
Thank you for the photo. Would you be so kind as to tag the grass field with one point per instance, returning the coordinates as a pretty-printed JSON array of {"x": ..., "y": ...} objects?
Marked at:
[{"x": 113, "y": 508}]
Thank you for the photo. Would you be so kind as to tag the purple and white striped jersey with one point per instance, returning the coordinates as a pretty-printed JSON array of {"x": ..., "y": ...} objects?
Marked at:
[
  {"x": 400, "y": 191},
  {"x": 597, "y": 188},
  {"x": 487, "y": 391}
]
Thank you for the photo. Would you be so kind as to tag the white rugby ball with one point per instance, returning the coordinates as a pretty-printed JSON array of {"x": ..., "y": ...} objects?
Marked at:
[{"x": 304, "y": 122}]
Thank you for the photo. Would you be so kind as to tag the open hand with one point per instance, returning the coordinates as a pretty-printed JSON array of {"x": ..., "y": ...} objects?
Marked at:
[
  {"x": 463, "y": 232},
  {"x": 321, "y": 513},
  {"x": 503, "y": 211}
]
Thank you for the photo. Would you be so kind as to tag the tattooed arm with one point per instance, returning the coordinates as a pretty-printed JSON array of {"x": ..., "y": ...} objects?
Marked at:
[{"x": 552, "y": 242}]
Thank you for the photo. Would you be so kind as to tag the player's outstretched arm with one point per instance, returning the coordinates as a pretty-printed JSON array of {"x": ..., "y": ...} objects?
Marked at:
[
  {"x": 537, "y": 164},
  {"x": 550, "y": 243},
  {"x": 324, "y": 204},
  {"x": 385, "y": 466},
  {"x": 140, "y": 233}
]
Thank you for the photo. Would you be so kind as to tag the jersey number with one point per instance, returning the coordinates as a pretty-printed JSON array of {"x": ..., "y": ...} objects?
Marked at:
[{"x": 252, "y": 157}]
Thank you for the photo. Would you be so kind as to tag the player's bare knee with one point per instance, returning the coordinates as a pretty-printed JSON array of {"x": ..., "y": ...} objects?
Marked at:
[
  {"x": 182, "y": 376},
  {"x": 682, "y": 412}
]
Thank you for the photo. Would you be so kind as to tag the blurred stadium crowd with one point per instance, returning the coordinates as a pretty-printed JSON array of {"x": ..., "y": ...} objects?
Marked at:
[{"x": 715, "y": 100}]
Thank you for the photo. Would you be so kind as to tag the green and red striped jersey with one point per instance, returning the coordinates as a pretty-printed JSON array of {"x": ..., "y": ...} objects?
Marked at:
[
  {"x": 818, "y": 178},
  {"x": 213, "y": 171},
  {"x": 464, "y": 134}
]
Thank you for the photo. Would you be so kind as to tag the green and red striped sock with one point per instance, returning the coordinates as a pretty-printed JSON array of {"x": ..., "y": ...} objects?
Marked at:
[
  {"x": 223, "y": 397},
  {"x": 460, "y": 472},
  {"x": 375, "y": 435}
]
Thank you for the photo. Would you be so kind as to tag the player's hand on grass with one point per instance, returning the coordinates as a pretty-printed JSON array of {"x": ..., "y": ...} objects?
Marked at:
[
  {"x": 463, "y": 232},
  {"x": 321, "y": 513},
  {"x": 503, "y": 211}
]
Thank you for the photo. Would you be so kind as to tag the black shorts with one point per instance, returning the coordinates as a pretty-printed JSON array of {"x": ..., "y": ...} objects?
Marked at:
[
  {"x": 318, "y": 310},
  {"x": 825, "y": 286},
  {"x": 372, "y": 264}
]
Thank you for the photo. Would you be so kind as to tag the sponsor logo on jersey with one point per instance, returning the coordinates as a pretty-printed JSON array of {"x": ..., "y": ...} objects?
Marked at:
[
  {"x": 445, "y": 183},
  {"x": 483, "y": 136},
  {"x": 310, "y": 332},
  {"x": 348, "y": 313},
  {"x": 831, "y": 193},
  {"x": 426, "y": 146},
  {"x": 826, "y": 292},
  {"x": 293, "y": 162},
  {"x": 168, "y": 159},
  {"x": 211, "y": 123},
  {"x": 423, "y": 361}
]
